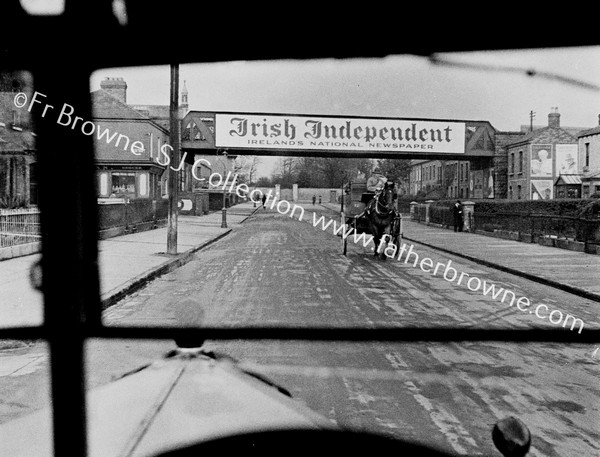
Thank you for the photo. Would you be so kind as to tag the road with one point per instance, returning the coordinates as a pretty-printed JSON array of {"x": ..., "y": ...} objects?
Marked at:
[{"x": 274, "y": 269}]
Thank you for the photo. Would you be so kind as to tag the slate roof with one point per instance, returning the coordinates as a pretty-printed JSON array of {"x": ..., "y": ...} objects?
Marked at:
[
  {"x": 546, "y": 134},
  {"x": 592, "y": 131},
  {"x": 567, "y": 179},
  {"x": 575, "y": 131},
  {"x": 105, "y": 106}
]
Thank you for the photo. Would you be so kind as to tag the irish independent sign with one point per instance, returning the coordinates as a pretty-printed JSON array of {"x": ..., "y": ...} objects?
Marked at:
[{"x": 276, "y": 131}]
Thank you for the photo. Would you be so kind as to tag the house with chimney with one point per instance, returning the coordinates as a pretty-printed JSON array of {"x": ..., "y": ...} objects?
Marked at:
[
  {"x": 129, "y": 141},
  {"x": 542, "y": 162}
]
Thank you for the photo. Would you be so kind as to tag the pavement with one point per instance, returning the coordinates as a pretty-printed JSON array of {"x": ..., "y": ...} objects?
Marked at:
[
  {"x": 128, "y": 262},
  {"x": 571, "y": 271}
]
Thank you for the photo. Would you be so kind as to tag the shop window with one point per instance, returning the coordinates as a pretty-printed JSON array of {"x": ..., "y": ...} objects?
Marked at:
[{"x": 123, "y": 184}]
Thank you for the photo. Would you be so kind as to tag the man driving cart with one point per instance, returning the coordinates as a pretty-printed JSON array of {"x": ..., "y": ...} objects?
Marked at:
[{"x": 374, "y": 185}]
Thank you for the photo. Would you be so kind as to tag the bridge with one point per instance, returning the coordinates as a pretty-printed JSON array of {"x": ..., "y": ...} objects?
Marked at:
[{"x": 336, "y": 136}]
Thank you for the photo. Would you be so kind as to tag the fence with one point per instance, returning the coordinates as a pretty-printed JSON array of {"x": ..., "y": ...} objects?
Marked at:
[
  {"x": 573, "y": 232},
  {"x": 441, "y": 215},
  {"x": 132, "y": 214},
  {"x": 534, "y": 226},
  {"x": 19, "y": 226}
]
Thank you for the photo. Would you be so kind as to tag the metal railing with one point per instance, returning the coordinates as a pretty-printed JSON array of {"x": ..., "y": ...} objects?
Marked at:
[{"x": 19, "y": 226}]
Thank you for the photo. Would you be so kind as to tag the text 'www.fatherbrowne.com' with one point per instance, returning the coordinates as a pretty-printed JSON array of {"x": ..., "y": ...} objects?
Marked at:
[{"x": 452, "y": 275}]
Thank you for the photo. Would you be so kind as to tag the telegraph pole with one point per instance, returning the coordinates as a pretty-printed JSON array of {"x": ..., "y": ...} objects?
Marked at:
[
  {"x": 531, "y": 117},
  {"x": 224, "y": 210},
  {"x": 173, "y": 175}
]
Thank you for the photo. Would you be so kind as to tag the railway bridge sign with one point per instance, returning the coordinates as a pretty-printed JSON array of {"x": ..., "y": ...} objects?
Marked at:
[{"x": 348, "y": 136}]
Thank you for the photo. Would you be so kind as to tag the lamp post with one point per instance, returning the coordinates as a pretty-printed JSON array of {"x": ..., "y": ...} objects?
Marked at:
[{"x": 224, "y": 210}]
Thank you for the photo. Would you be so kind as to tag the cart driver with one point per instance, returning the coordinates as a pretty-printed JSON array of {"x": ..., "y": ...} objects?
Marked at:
[{"x": 374, "y": 185}]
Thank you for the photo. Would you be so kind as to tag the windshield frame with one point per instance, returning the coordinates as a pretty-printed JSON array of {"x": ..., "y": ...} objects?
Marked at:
[{"x": 72, "y": 306}]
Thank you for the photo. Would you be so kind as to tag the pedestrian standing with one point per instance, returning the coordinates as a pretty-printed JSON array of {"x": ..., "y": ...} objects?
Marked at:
[
  {"x": 457, "y": 213},
  {"x": 319, "y": 199},
  {"x": 314, "y": 199},
  {"x": 264, "y": 199}
]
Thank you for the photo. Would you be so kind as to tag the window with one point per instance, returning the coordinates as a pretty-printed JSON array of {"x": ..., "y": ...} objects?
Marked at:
[
  {"x": 587, "y": 154},
  {"x": 512, "y": 162},
  {"x": 519, "y": 192},
  {"x": 520, "y": 161},
  {"x": 123, "y": 184},
  {"x": 143, "y": 177}
]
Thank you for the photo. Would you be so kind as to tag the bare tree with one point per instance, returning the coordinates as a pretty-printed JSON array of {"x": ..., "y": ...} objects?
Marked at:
[
  {"x": 286, "y": 172},
  {"x": 252, "y": 167}
]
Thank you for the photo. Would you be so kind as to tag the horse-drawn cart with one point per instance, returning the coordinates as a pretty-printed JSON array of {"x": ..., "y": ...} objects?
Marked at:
[{"x": 365, "y": 212}]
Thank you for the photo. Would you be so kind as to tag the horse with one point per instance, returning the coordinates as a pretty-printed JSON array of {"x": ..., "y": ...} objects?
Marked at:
[{"x": 380, "y": 213}]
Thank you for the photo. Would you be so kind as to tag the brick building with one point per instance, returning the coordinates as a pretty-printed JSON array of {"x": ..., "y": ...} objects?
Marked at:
[
  {"x": 538, "y": 158},
  {"x": 18, "y": 166},
  {"x": 127, "y": 149},
  {"x": 589, "y": 160},
  {"x": 129, "y": 142},
  {"x": 478, "y": 177}
]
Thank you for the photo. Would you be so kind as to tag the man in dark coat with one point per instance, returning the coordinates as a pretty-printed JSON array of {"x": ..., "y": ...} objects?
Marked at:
[{"x": 457, "y": 213}]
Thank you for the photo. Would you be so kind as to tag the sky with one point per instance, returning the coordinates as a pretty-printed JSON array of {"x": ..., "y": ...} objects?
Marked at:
[{"x": 498, "y": 90}]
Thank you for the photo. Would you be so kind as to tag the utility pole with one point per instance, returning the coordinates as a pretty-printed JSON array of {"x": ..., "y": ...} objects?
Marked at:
[
  {"x": 224, "y": 210},
  {"x": 173, "y": 175},
  {"x": 531, "y": 117}
]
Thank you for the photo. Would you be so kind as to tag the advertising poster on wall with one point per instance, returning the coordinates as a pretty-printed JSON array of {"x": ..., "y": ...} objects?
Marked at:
[
  {"x": 566, "y": 159},
  {"x": 541, "y": 160},
  {"x": 541, "y": 189}
]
